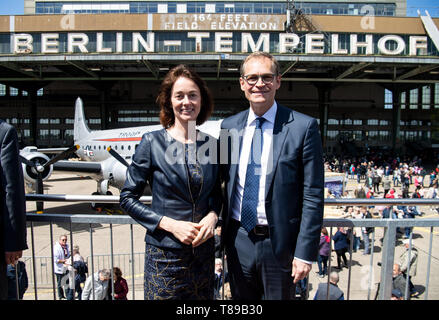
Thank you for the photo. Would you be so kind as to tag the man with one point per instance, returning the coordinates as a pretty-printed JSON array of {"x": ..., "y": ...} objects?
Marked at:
[
  {"x": 219, "y": 278},
  {"x": 99, "y": 282},
  {"x": 335, "y": 293},
  {"x": 399, "y": 280},
  {"x": 274, "y": 195},
  {"x": 411, "y": 264},
  {"x": 60, "y": 255},
  {"x": 12, "y": 204}
]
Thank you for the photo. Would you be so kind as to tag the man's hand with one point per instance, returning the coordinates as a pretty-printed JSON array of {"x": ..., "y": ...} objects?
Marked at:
[
  {"x": 13, "y": 256},
  {"x": 300, "y": 270}
]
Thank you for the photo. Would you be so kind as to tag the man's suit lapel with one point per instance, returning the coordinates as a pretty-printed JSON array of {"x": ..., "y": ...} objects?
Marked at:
[
  {"x": 240, "y": 125},
  {"x": 280, "y": 132}
]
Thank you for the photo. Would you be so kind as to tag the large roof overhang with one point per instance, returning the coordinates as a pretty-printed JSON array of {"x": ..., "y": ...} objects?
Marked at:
[{"x": 314, "y": 68}]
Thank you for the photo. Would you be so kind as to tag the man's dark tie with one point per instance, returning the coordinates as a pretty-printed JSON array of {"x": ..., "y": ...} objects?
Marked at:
[{"x": 251, "y": 187}]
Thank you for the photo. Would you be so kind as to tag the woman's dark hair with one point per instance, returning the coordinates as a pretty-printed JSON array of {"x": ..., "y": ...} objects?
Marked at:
[
  {"x": 117, "y": 272},
  {"x": 167, "y": 117}
]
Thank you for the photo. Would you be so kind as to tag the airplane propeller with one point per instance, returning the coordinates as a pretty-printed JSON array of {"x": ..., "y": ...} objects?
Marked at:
[
  {"x": 39, "y": 169},
  {"x": 117, "y": 156}
]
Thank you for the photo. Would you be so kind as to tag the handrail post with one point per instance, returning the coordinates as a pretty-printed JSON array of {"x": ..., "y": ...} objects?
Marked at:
[{"x": 387, "y": 259}]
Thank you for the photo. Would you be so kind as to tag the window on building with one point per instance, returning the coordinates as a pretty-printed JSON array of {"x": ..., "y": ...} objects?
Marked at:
[
  {"x": 373, "y": 135},
  {"x": 332, "y": 135},
  {"x": 372, "y": 122},
  {"x": 436, "y": 95},
  {"x": 40, "y": 92},
  {"x": 55, "y": 133},
  {"x": 414, "y": 99},
  {"x": 403, "y": 100},
  {"x": 13, "y": 91},
  {"x": 2, "y": 90},
  {"x": 94, "y": 121},
  {"x": 44, "y": 134},
  {"x": 357, "y": 135},
  {"x": 68, "y": 134},
  {"x": 426, "y": 97},
  {"x": 388, "y": 99},
  {"x": 384, "y": 135}
]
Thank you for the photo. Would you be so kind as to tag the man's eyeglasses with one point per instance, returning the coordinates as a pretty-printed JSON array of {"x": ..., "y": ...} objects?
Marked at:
[
  {"x": 266, "y": 78},
  {"x": 63, "y": 240}
]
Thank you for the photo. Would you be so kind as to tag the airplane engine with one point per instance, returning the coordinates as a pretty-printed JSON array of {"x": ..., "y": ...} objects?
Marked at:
[
  {"x": 114, "y": 172},
  {"x": 39, "y": 159}
]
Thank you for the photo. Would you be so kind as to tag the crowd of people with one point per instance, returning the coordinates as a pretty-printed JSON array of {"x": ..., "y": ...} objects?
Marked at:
[{"x": 72, "y": 277}]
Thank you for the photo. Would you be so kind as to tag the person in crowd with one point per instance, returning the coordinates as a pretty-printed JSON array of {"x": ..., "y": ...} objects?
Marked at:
[
  {"x": 386, "y": 185},
  {"x": 409, "y": 264},
  {"x": 365, "y": 231},
  {"x": 341, "y": 246},
  {"x": 61, "y": 254},
  {"x": 12, "y": 204},
  {"x": 99, "y": 281},
  {"x": 120, "y": 285},
  {"x": 396, "y": 177},
  {"x": 335, "y": 293},
  {"x": 186, "y": 192},
  {"x": 399, "y": 280},
  {"x": 324, "y": 252},
  {"x": 17, "y": 273},
  {"x": 81, "y": 270},
  {"x": 274, "y": 202},
  {"x": 217, "y": 237},
  {"x": 357, "y": 230},
  {"x": 219, "y": 278}
]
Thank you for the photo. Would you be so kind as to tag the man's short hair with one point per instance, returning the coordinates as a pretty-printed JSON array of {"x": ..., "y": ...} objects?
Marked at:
[
  {"x": 334, "y": 277},
  {"x": 260, "y": 54},
  {"x": 105, "y": 273}
]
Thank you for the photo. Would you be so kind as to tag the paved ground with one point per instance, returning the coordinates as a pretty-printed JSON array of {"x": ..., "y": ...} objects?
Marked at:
[{"x": 61, "y": 183}]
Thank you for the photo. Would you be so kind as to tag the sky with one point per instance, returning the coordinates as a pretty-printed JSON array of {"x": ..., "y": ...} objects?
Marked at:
[{"x": 15, "y": 7}]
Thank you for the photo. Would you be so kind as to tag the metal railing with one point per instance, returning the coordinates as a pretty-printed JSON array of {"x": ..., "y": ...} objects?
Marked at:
[{"x": 389, "y": 227}]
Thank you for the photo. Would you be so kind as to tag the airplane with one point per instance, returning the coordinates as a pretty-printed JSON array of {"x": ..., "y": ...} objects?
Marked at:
[{"x": 104, "y": 154}]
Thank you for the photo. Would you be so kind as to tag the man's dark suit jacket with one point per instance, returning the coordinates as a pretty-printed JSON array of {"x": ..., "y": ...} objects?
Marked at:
[
  {"x": 12, "y": 199},
  {"x": 294, "y": 187}
]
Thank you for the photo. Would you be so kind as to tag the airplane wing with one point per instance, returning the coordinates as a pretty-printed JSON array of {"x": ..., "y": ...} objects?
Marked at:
[
  {"x": 51, "y": 150},
  {"x": 78, "y": 166}
]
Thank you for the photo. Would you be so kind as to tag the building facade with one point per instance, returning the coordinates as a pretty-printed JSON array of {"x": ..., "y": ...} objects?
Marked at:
[
  {"x": 369, "y": 75},
  {"x": 331, "y": 7}
]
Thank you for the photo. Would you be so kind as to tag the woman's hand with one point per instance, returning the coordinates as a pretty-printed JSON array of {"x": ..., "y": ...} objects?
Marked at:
[
  {"x": 207, "y": 228},
  {"x": 184, "y": 231}
]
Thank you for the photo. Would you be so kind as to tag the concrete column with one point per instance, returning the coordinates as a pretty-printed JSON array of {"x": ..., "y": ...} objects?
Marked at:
[
  {"x": 396, "y": 117},
  {"x": 32, "y": 94},
  {"x": 323, "y": 93}
]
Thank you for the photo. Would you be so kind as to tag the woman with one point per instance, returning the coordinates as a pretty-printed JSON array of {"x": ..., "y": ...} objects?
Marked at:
[
  {"x": 120, "y": 285},
  {"x": 324, "y": 251},
  {"x": 341, "y": 246},
  {"x": 186, "y": 191}
]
